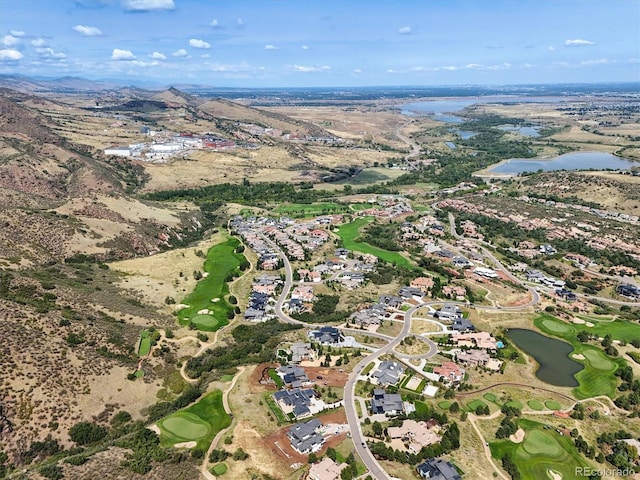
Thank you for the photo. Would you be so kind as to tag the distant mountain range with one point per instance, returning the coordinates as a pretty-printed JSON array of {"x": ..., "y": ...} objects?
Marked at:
[{"x": 70, "y": 84}]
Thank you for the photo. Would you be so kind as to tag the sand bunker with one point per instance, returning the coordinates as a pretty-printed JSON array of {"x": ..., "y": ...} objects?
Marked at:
[
  {"x": 204, "y": 311},
  {"x": 205, "y": 274},
  {"x": 579, "y": 321},
  {"x": 214, "y": 300},
  {"x": 589, "y": 324},
  {"x": 553, "y": 475},
  {"x": 154, "y": 428},
  {"x": 191, "y": 444},
  {"x": 518, "y": 437},
  {"x": 578, "y": 356},
  {"x": 180, "y": 306}
]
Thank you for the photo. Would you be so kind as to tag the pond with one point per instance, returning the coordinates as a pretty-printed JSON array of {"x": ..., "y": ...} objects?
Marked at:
[
  {"x": 522, "y": 130},
  {"x": 556, "y": 367},
  {"x": 568, "y": 161}
]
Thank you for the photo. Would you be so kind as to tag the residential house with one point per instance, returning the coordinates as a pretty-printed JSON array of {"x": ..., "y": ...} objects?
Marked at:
[
  {"x": 326, "y": 335},
  {"x": 326, "y": 469},
  {"x": 449, "y": 311},
  {"x": 391, "y": 301},
  {"x": 389, "y": 404},
  {"x": 388, "y": 373},
  {"x": 411, "y": 293},
  {"x": 482, "y": 340},
  {"x": 438, "y": 469},
  {"x": 628, "y": 290},
  {"x": 302, "y": 351},
  {"x": 300, "y": 402},
  {"x": 416, "y": 435},
  {"x": 423, "y": 283},
  {"x": 293, "y": 376},
  {"x": 462, "y": 325},
  {"x": 450, "y": 372},
  {"x": 305, "y": 438}
]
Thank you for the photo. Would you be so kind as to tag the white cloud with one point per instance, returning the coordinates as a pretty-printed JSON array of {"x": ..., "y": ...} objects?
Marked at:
[
  {"x": 551, "y": 48},
  {"x": 598, "y": 61},
  {"x": 404, "y": 30},
  {"x": 38, "y": 42},
  {"x": 180, "y": 53},
  {"x": 158, "y": 56},
  {"x": 214, "y": 23},
  {"x": 88, "y": 31},
  {"x": 147, "y": 5},
  {"x": 356, "y": 71},
  {"x": 118, "y": 54},
  {"x": 49, "y": 52},
  {"x": 307, "y": 69},
  {"x": 205, "y": 55},
  {"x": 10, "y": 40},
  {"x": 9, "y": 54},
  {"x": 578, "y": 42},
  {"x": 17, "y": 33},
  {"x": 305, "y": 47},
  {"x": 198, "y": 43},
  {"x": 268, "y": 46},
  {"x": 477, "y": 66},
  {"x": 239, "y": 22},
  {"x": 139, "y": 63}
]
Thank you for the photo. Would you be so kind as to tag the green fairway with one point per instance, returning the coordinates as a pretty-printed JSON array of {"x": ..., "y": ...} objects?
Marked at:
[
  {"x": 514, "y": 404},
  {"x": 618, "y": 329},
  {"x": 542, "y": 450},
  {"x": 350, "y": 233},
  {"x": 556, "y": 326},
  {"x": 186, "y": 425},
  {"x": 310, "y": 209},
  {"x": 445, "y": 404},
  {"x": 597, "y": 377},
  {"x": 220, "y": 262},
  {"x": 471, "y": 406},
  {"x": 552, "y": 405},
  {"x": 226, "y": 378},
  {"x": 535, "y": 405},
  {"x": 145, "y": 343},
  {"x": 490, "y": 397},
  {"x": 219, "y": 469},
  {"x": 199, "y": 422}
]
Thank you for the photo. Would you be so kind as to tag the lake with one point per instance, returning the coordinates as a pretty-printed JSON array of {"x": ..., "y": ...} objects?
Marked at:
[
  {"x": 441, "y": 109},
  {"x": 464, "y": 134},
  {"x": 556, "y": 367},
  {"x": 568, "y": 161},
  {"x": 524, "y": 131}
]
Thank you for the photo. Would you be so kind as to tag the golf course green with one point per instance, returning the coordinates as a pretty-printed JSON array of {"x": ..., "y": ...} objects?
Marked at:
[
  {"x": 542, "y": 450},
  {"x": 198, "y": 423},
  {"x": 209, "y": 293},
  {"x": 350, "y": 233}
]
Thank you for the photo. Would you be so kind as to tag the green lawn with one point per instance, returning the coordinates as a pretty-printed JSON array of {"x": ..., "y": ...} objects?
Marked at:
[
  {"x": 226, "y": 378},
  {"x": 597, "y": 377},
  {"x": 552, "y": 405},
  {"x": 618, "y": 329},
  {"x": 542, "y": 450},
  {"x": 220, "y": 261},
  {"x": 219, "y": 469},
  {"x": 350, "y": 232},
  {"x": 310, "y": 209},
  {"x": 491, "y": 397},
  {"x": 471, "y": 406},
  {"x": 145, "y": 343},
  {"x": 199, "y": 422},
  {"x": 445, "y": 404},
  {"x": 276, "y": 378},
  {"x": 535, "y": 405}
]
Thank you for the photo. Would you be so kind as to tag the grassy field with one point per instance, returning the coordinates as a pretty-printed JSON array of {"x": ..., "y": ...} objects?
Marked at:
[
  {"x": 542, "y": 450},
  {"x": 199, "y": 422},
  {"x": 145, "y": 343},
  {"x": 219, "y": 469},
  {"x": 310, "y": 209},
  {"x": 618, "y": 329},
  {"x": 210, "y": 291},
  {"x": 597, "y": 377},
  {"x": 350, "y": 233}
]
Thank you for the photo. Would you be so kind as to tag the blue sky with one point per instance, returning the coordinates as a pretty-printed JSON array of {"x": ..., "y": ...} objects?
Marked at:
[{"x": 291, "y": 43}]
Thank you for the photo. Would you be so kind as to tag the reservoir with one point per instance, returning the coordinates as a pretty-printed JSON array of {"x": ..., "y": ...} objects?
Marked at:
[
  {"x": 556, "y": 367},
  {"x": 568, "y": 161}
]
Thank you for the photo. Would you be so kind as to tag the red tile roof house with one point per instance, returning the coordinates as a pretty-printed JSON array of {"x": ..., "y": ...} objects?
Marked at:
[{"x": 451, "y": 372}]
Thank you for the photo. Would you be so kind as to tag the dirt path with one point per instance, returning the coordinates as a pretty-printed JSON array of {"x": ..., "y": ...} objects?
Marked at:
[
  {"x": 204, "y": 469},
  {"x": 487, "y": 451},
  {"x": 514, "y": 384}
]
